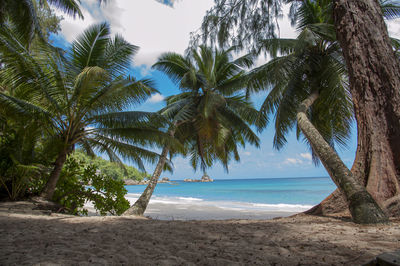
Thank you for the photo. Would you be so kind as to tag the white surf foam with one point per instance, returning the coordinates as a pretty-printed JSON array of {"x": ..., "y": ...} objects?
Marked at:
[{"x": 186, "y": 202}]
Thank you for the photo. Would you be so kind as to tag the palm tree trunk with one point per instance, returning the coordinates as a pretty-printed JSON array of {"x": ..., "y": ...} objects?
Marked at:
[
  {"x": 374, "y": 85},
  {"x": 363, "y": 207},
  {"x": 51, "y": 184},
  {"x": 139, "y": 207}
]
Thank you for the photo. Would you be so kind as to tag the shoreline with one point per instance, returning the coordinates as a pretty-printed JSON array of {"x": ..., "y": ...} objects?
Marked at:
[
  {"x": 188, "y": 208},
  {"x": 184, "y": 212},
  {"x": 243, "y": 198},
  {"x": 31, "y": 236},
  {"x": 162, "y": 211}
]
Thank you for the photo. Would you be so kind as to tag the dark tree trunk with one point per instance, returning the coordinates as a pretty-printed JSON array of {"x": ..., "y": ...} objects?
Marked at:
[
  {"x": 374, "y": 73},
  {"x": 139, "y": 207},
  {"x": 362, "y": 206},
  {"x": 51, "y": 184}
]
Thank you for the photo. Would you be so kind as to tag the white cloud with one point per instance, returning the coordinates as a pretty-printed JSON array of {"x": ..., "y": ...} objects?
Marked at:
[
  {"x": 72, "y": 27},
  {"x": 297, "y": 161},
  {"x": 247, "y": 153},
  {"x": 154, "y": 27},
  {"x": 144, "y": 70},
  {"x": 292, "y": 161},
  {"x": 301, "y": 160},
  {"x": 156, "y": 98},
  {"x": 394, "y": 28},
  {"x": 307, "y": 156}
]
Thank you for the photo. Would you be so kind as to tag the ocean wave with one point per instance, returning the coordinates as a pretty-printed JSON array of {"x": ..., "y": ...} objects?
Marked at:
[
  {"x": 131, "y": 197},
  {"x": 190, "y": 199},
  {"x": 229, "y": 205},
  {"x": 284, "y": 206}
]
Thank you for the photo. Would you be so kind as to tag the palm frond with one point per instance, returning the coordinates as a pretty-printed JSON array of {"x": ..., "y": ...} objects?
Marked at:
[
  {"x": 390, "y": 9},
  {"x": 118, "y": 55},
  {"x": 88, "y": 48},
  {"x": 70, "y": 7},
  {"x": 276, "y": 47},
  {"x": 174, "y": 66}
]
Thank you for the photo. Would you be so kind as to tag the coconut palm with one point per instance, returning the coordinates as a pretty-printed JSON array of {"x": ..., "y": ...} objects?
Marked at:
[
  {"x": 80, "y": 98},
  {"x": 211, "y": 116},
  {"x": 310, "y": 91}
]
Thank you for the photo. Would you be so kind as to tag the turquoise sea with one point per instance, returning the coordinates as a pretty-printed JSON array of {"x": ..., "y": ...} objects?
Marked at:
[{"x": 274, "y": 194}]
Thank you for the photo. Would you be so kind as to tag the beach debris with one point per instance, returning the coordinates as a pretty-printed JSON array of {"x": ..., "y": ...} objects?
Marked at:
[{"x": 386, "y": 259}]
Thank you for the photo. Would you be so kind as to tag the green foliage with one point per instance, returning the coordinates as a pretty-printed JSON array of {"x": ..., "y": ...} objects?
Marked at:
[
  {"x": 79, "y": 99},
  {"x": 11, "y": 184},
  {"x": 21, "y": 170},
  {"x": 26, "y": 16},
  {"x": 310, "y": 63},
  {"x": 246, "y": 23},
  {"x": 116, "y": 171},
  {"x": 240, "y": 22},
  {"x": 49, "y": 22},
  {"x": 80, "y": 182}
]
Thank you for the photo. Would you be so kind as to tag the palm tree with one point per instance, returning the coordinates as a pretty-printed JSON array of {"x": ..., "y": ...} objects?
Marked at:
[
  {"x": 372, "y": 68},
  {"x": 211, "y": 116},
  {"x": 78, "y": 99},
  {"x": 310, "y": 90}
]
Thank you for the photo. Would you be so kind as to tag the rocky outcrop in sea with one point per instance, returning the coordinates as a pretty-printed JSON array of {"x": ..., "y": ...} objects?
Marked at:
[
  {"x": 204, "y": 178},
  {"x": 132, "y": 182}
]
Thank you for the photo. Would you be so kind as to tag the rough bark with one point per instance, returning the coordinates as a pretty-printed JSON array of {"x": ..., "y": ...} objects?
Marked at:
[
  {"x": 374, "y": 74},
  {"x": 51, "y": 184},
  {"x": 139, "y": 207},
  {"x": 362, "y": 206}
]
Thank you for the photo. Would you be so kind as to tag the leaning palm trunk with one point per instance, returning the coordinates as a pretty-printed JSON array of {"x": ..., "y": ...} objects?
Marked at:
[
  {"x": 139, "y": 207},
  {"x": 362, "y": 206},
  {"x": 51, "y": 184}
]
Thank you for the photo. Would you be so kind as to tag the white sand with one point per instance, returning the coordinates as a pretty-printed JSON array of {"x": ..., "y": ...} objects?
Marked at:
[{"x": 33, "y": 237}]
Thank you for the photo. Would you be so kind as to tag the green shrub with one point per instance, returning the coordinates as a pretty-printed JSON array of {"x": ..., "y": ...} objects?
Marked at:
[
  {"x": 80, "y": 182},
  {"x": 111, "y": 169}
]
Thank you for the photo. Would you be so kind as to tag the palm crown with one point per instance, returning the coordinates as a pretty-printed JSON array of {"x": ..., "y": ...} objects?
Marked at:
[
  {"x": 310, "y": 63},
  {"x": 212, "y": 113}
]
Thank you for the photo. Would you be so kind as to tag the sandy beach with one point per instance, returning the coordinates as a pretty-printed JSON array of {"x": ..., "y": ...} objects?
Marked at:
[{"x": 33, "y": 237}]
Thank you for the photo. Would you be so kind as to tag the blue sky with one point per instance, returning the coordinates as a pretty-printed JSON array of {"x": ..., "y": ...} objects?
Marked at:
[{"x": 156, "y": 27}]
